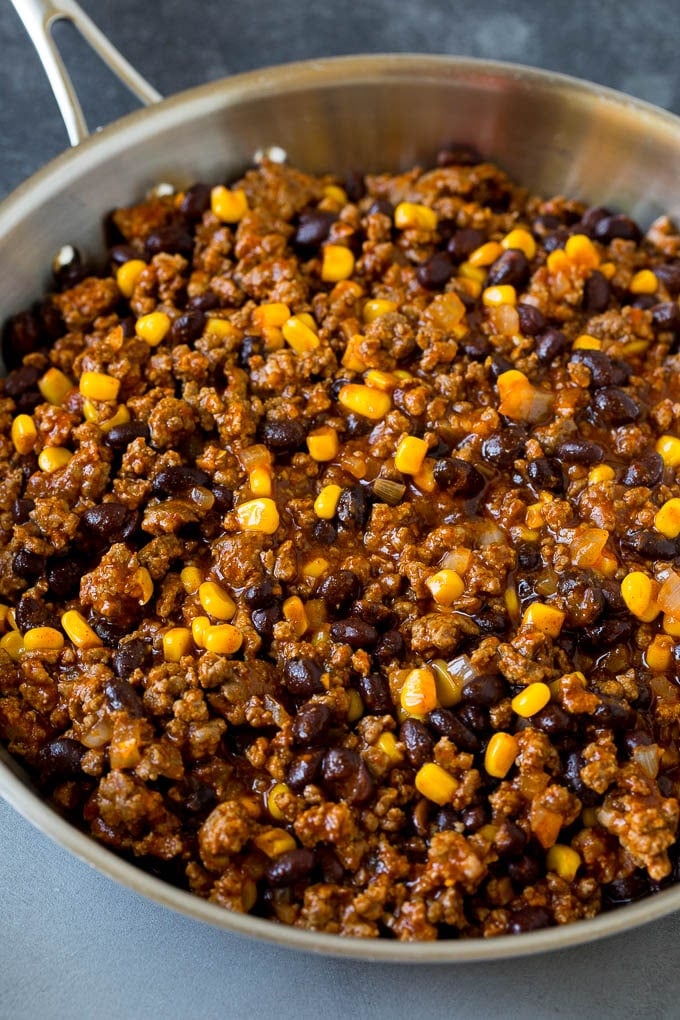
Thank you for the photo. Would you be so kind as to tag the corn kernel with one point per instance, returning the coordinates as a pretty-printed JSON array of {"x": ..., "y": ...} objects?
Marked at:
[
  {"x": 337, "y": 263},
  {"x": 419, "y": 693},
  {"x": 644, "y": 282},
  {"x": 372, "y": 310},
  {"x": 414, "y": 216},
  {"x": 326, "y": 503},
  {"x": 222, "y": 638},
  {"x": 294, "y": 613},
  {"x": 191, "y": 578},
  {"x": 564, "y": 861},
  {"x": 11, "y": 618},
  {"x": 53, "y": 457},
  {"x": 667, "y": 519},
  {"x": 127, "y": 276},
  {"x": 78, "y": 630},
  {"x": 153, "y": 328},
  {"x": 217, "y": 602},
  {"x": 387, "y": 742},
  {"x": 471, "y": 287},
  {"x": 558, "y": 262},
  {"x": 668, "y": 447},
  {"x": 278, "y": 790},
  {"x": 260, "y": 515},
  {"x": 273, "y": 313},
  {"x": 229, "y": 206},
  {"x": 260, "y": 481},
  {"x": 671, "y": 625},
  {"x": 410, "y": 454},
  {"x": 365, "y": 401},
  {"x": 378, "y": 380},
  {"x": 586, "y": 342},
  {"x": 336, "y": 194},
  {"x": 511, "y": 599},
  {"x": 145, "y": 583},
  {"x": 43, "y": 639},
  {"x": 316, "y": 567},
  {"x": 445, "y": 586},
  {"x": 299, "y": 335},
  {"x": 474, "y": 275},
  {"x": 55, "y": 386},
  {"x": 500, "y": 755},
  {"x": 90, "y": 412},
  {"x": 449, "y": 687},
  {"x": 547, "y": 619},
  {"x": 519, "y": 399},
  {"x": 531, "y": 700},
  {"x": 659, "y": 654},
  {"x": 639, "y": 592},
  {"x": 486, "y": 254},
  {"x": 24, "y": 433},
  {"x": 323, "y": 443},
  {"x": 355, "y": 707},
  {"x": 120, "y": 417},
  {"x": 221, "y": 328},
  {"x": 504, "y": 294},
  {"x": 424, "y": 479},
  {"x": 199, "y": 625},
  {"x": 581, "y": 251},
  {"x": 601, "y": 473},
  {"x": 177, "y": 642},
  {"x": 98, "y": 386},
  {"x": 608, "y": 270},
  {"x": 520, "y": 239},
  {"x": 435, "y": 783},
  {"x": 274, "y": 842},
  {"x": 12, "y": 643}
]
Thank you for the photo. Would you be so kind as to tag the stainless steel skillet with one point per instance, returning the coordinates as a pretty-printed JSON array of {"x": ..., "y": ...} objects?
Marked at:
[{"x": 554, "y": 133}]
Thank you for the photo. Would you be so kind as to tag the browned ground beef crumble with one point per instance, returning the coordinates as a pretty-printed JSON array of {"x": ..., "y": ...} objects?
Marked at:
[{"x": 338, "y": 743}]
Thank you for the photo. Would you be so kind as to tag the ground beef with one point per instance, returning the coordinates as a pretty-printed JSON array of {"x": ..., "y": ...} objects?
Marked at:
[{"x": 340, "y": 551}]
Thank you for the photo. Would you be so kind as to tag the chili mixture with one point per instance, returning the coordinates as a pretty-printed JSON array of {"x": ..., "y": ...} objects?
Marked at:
[{"x": 340, "y": 549}]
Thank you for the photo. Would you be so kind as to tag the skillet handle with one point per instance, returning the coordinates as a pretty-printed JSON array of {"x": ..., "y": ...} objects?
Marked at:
[{"x": 38, "y": 17}]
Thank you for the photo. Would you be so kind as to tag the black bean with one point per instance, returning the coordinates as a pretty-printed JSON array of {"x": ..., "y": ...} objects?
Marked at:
[
  {"x": 375, "y": 694},
  {"x": 476, "y": 346},
  {"x": 22, "y": 335},
  {"x": 61, "y": 758},
  {"x": 528, "y": 556},
  {"x": 311, "y": 723},
  {"x": 626, "y": 890},
  {"x": 251, "y": 347},
  {"x": 596, "y": 293},
  {"x": 556, "y": 239},
  {"x": 110, "y": 522},
  {"x": 669, "y": 274},
  {"x": 613, "y": 406},
  {"x": 417, "y": 741},
  {"x": 377, "y": 614},
  {"x": 636, "y": 738},
  {"x": 355, "y": 185},
  {"x": 542, "y": 225},
  {"x": 346, "y": 772},
  {"x": 490, "y": 621},
  {"x": 196, "y": 797},
  {"x": 313, "y": 228},
  {"x": 205, "y": 302},
  {"x": 257, "y": 596},
  {"x": 608, "y": 632},
  {"x": 356, "y": 425},
  {"x": 22, "y": 379},
  {"x": 646, "y": 471},
  {"x": 447, "y": 725},
  {"x": 22, "y": 509},
  {"x": 196, "y": 201},
  {"x": 531, "y": 319},
  {"x": 304, "y": 770},
  {"x": 290, "y": 867},
  {"x": 644, "y": 301},
  {"x": 474, "y": 817},
  {"x": 129, "y": 656},
  {"x": 224, "y": 497},
  {"x": 31, "y": 612},
  {"x": 582, "y": 595},
  {"x": 120, "y": 436},
  {"x": 458, "y": 154},
  {"x": 666, "y": 317},
  {"x": 550, "y": 343},
  {"x": 119, "y": 254},
  {"x": 172, "y": 238},
  {"x": 302, "y": 677},
  {"x": 610, "y": 227},
  {"x": 436, "y": 272},
  {"x": 28, "y": 565},
  {"x": 653, "y": 546},
  {"x": 579, "y": 451},
  {"x": 328, "y": 863},
  {"x": 446, "y": 818},
  {"x": 382, "y": 206},
  {"x": 265, "y": 618},
  {"x": 510, "y": 839},
  {"x": 499, "y": 365},
  {"x": 484, "y": 690},
  {"x": 325, "y": 533},
  {"x": 64, "y": 573},
  {"x": 389, "y": 646},
  {"x": 178, "y": 478},
  {"x": 284, "y": 436},
  {"x": 458, "y": 477},
  {"x": 122, "y": 697},
  {"x": 546, "y": 473},
  {"x": 474, "y": 717},
  {"x": 354, "y": 632},
  {"x": 528, "y": 919},
  {"x": 462, "y": 244},
  {"x": 552, "y": 720},
  {"x": 524, "y": 871},
  {"x": 591, "y": 218},
  {"x": 614, "y": 713},
  {"x": 187, "y": 327},
  {"x": 502, "y": 449},
  {"x": 512, "y": 267},
  {"x": 353, "y": 509},
  {"x": 339, "y": 590},
  {"x": 604, "y": 371}
]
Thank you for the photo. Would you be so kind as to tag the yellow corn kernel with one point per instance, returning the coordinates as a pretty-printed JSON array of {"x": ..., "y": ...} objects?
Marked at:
[
  {"x": 177, "y": 642},
  {"x": 667, "y": 519},
  {"x": 145, "y": 582},
  {"x": 53, "y": 457},
  {"x": 414, "y": 216},
  {"x": 659, "y": 654},
  {"x": 547, "y": 619},
  {"x": 191, "y": 578},
  {"x": 199, "y": 625},
  {"x": 419, "y": 693},
  {"x": 586, "y": 342},
  {"x": 472, "y": 287},
  {"x": 315, "y": 567},
  {"x": 564, "y": 861},
  {"x": 217, "y": 602},
  {"x": 98, "y": 386},
  {"x": 127, "y": 276},
  {"x": 4, "y": 614},
  {"x": 378, "y": 380},
  {"x": 272, "y": 313},
  {"x": 534, "y": 515},
  {"x": 531, "y": 700},
  {"x": 500, "y": 755},
  {"x": 260, "y": 481},
  {"x": 278, "y": 790},
  {"x": 520, "y": 399},
  {"x": 55, "y": 386},
  {"x": 336, "y": 194},
  {"x": 474, "y": 275},
  {"x": 668, "y": 447},
  {"x": 445, "y": 586},
  {"x": 435, "y": 783},
  {"x": 260, "y": 515},
  {"x": 222, "y": 638},
  {"x": 644, "y": 282},
  {"x": 11, "y": 618},
  {"x": 485, "y": 255},
  {"x": 355, "y": 707},
  {"x": 634, "y": 347},
  {"x": 424, "y": 479},
  {"x": 294, "y": 613},
  {"x": 43, "y": 639},
  {"x": 511, "y": 600},
  {"x": 79, "y": 631},
  {"x": 387, "y": 742},
  {"x": 639, "y": 592},
  {"x": 364, "y": 400},
  {"x": 274, "y": 842},
  {"x": 558, "y": 262},
  {"x": 12, "y": 643},
  {"x": 581, "y": 251},
  {"x": 337, "y": 263},
  {"x": 221, "y": 328},
  {"x": 229, "y": 206},
  {"x": 504, "y": 294},
  {"x": 671, "y": 625},
  {"x": 121, "y": 417},
  {"x": 373, "y": 309},
  {"x": 607, "y": 564},
  {"x": 520, "y": 239},
  {"x": 323, "y": 443},
  {"x": 410, "y": 454},
  {"x": 24, "y": 433},
  {"x": 449, "y": 687},
  {"x": 299, "y": 335},
  {"x": 601, "y": 473},
  {"x": 326, "y": 503},
  {"x": 152, "y": 328},
  {"x": 90, "y": 411}
]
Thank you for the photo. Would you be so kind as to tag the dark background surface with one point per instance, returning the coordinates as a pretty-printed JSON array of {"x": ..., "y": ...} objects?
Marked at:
[{"x": 74, "y": 944}]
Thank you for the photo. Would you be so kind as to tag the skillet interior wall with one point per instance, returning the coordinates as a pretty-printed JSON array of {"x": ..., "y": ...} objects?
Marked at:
[{"x": 636, "y": 46}]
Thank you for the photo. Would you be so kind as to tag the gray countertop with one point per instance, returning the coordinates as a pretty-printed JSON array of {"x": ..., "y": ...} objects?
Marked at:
[{"x": 74, "y": 944}]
